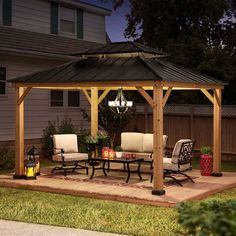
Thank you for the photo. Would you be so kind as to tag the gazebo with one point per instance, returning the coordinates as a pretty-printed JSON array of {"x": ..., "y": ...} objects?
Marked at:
[{"x": 131, "y": 66}]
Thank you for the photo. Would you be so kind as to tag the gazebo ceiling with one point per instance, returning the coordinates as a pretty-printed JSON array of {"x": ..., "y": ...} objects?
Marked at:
[
  {"x": 117, "y": 69},
  {"x": 121, "y": 48}
]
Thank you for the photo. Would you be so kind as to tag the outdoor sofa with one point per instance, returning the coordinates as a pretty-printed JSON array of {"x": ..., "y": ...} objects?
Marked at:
[
  {"x": 140, "y": 144},
  {"x": 65, "y": 151}
]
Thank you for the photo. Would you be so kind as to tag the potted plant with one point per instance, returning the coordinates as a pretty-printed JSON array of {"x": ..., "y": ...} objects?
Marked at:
[
  {"x": 206, "y": 160},
  {"x": 103, "y": 140},
  {"x": 91, "y": 142}
]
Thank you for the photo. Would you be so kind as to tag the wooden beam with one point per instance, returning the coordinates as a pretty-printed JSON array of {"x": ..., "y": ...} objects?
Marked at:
[
  {"x": 19, "y": 134},
  {"x": 167, "y": 94},
  {"x": 217, "y": 97},
  {"x": 208, "y": 95},
  {"x": 104, "y": 94},
  {"x": 94, "y": 111},
  {"x": 158, "y": 140},
  {"x": 21, "y": 99},
  {"x": 89, "y": 84},
  {"x": 217, "y": 134},
  {"x": 87, "y": 95},
  {"x": 182, "y": 85},
  {"x": 146, "y": 96}
]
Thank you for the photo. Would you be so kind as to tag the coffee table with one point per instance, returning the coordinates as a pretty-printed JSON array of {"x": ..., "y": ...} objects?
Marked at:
[{"x": 126, "y": 163}]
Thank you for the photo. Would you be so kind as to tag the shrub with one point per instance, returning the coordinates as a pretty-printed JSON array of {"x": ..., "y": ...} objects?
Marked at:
[
  {"x": 47, "y": 146},
  {"x": 7, "y": 158},
  {"x": 64, "y": 127},
  {"x": 211, "y": 217}
]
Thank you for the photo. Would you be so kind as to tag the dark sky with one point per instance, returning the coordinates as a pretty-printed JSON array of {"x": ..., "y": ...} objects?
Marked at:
[{"x": 116, "y": 23}]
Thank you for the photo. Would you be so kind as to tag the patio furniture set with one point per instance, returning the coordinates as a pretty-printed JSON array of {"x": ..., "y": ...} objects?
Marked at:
[{"x": 136, "y": 149}]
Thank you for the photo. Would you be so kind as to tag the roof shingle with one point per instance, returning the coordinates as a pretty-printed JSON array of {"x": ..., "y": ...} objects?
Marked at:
[{"x": 11, "y": 38}]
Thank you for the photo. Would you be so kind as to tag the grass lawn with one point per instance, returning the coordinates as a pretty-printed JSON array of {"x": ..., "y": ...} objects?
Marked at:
[{"x": 85, "y": 213}]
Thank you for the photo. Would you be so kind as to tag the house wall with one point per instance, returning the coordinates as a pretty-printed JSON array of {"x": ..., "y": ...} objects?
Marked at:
[
  {"x": 35, "y": 16},
  {"x": 31, "y": 15},
  {"x": 37, "y": 103},
  {"x": 94, "y": 27},
  {"x": 0, "y": 12}
]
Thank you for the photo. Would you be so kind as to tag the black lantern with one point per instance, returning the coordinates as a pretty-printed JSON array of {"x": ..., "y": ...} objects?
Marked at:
[
  {"x": 33, "y": 155},
  {"x": 120, "y": 105}
]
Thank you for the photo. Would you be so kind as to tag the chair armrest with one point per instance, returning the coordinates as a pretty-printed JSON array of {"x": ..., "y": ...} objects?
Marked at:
[
  {"x": 62, "y": 152},
  {"x": 61, "y": 149}
]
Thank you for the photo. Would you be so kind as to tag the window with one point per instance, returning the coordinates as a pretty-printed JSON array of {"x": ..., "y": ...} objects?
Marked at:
[
  {"x": 73, "y": 98},
  {"x": 56, "y": 97},
  {"x": 67, "y": 20},
  {"x": 2, "y": 80}
]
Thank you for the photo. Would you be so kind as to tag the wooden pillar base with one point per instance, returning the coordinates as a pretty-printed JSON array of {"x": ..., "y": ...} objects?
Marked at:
[
  {"x": 158, "y": 192},
  {"x": 216, "y": 174},
  {"x": 18, "y": 176}
]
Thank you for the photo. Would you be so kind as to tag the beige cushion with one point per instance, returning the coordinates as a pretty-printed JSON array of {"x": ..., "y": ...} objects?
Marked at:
[
  {"x": 71, "y": 157},
  {"x": 168, "y": 165},
  {"x": 148, "y": 143},
  {"x": 177, "y": 148},
  {"x": 132, "y": 142},
  {"x": 66, "y": 141}
]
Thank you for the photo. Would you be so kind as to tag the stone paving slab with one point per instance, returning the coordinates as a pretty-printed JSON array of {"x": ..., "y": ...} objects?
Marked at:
[
  {"x": 204, "y": 186},
  {"x": 15, "y": 228}
]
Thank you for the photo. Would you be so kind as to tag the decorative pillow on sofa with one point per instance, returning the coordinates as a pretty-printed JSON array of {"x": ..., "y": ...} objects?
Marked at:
[
  {"x": 148, "y": 143},
  {"x": 132, "y": 142}
]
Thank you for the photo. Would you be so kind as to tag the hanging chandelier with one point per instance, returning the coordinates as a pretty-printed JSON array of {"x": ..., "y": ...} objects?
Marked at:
[{"x": 120, "y": 105}]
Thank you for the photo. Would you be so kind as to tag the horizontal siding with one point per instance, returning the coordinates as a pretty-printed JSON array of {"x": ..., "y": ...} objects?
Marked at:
[
  {"x": 37, "y": 109},
  {"x": 31, "y": 15},
  {"x": 0, "y": 12},
  {"x": 94, "y": 28}
]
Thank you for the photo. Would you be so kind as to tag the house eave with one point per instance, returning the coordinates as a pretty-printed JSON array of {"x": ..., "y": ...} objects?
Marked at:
[{"x": 36, "y": 54}]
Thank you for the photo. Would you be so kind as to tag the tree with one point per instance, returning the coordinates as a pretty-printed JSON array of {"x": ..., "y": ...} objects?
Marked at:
[{"x": 196, "y": 33}]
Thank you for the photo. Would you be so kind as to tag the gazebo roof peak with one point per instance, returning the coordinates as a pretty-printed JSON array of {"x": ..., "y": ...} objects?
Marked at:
[{"x": 121, "y": 49}]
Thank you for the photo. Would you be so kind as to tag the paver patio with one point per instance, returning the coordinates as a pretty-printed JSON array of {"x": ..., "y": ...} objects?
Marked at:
[{"x": 140, "y": 192}]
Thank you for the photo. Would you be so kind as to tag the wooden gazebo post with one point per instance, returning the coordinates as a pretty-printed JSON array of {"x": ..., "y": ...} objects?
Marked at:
[
  {"x": 94, "y": 110},
  {"x": 217, "y": 133},
  {"x": 158, "y": 139}
]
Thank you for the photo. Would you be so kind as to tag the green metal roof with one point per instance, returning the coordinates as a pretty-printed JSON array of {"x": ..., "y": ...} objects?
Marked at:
[
  {"x": 121, "y": 47},
  {"x": 112, "y": 69}
]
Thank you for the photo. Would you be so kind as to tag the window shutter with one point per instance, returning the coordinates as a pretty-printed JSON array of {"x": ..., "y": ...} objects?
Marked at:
[
  {"x": 80, "y": 24},
  {"x": 54, "y": 18},
  {"x": 6, "y": 12}
]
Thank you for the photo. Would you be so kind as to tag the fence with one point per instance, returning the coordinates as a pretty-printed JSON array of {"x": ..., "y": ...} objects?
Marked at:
[{"x": 191, "y": 121}]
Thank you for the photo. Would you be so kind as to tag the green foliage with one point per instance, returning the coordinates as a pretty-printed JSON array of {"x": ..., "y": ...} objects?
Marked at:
[
  {"x": 91, "y": 139},
  {"x": 7, "y": 158},
  {"x": 47, "y": 146},
  {"x": 212, "y": 217},
  {"x": 206, "y": 150},
  {"x": 65, "y": 126},
  {"x": 197, "y": 34},
  {"x": 118, "y": 148},
  {"x": 102, "y": 134}
]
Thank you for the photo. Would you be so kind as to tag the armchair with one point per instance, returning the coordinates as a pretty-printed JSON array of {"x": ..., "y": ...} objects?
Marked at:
[{"x": 65, "y": 149}]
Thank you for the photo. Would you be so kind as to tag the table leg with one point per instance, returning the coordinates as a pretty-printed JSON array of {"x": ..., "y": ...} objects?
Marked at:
[
  {"x": 139, "y": 174},
  {"x": 127, "y": 180},
  {"x": 93, "y": 166},
  {"x": 103, "y": 167}
]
